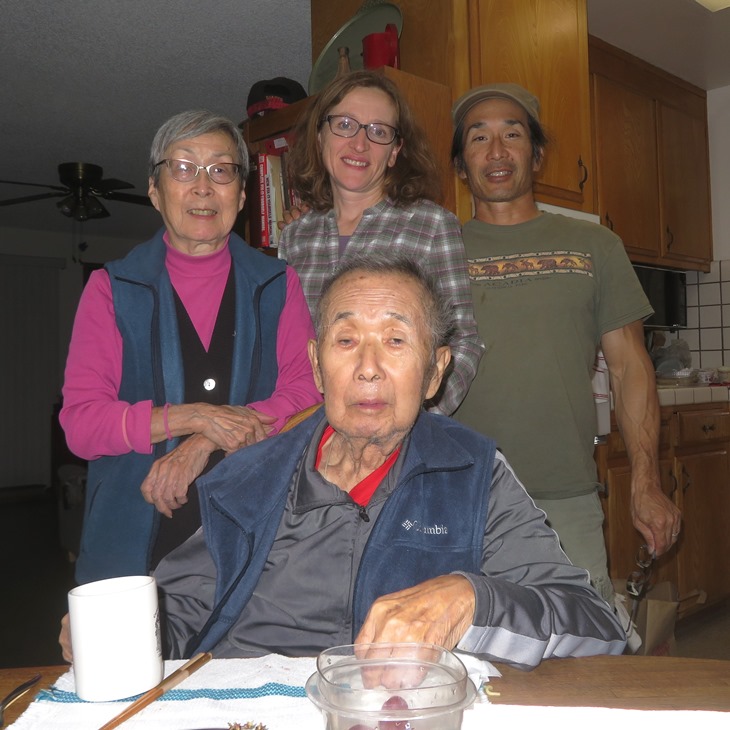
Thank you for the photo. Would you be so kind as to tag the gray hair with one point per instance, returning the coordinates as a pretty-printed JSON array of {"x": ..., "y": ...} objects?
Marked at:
[
  {"x": 194, "y": 123},
  {"x": 438, "y": 310}
]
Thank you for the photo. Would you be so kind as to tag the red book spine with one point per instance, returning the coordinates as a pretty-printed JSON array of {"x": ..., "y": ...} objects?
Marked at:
[{"x": 263, "y": 200}]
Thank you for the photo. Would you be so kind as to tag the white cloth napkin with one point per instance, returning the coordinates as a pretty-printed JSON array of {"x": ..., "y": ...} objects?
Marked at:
[{"x": 268, "y": 690}]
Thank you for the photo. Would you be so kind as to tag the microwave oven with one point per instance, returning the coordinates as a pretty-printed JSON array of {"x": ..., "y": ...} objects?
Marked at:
[{"x": 666, "y": 291}]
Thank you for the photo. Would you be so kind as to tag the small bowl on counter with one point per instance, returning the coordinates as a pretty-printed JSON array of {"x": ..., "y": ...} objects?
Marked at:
[{"x": 685, "y": 378}]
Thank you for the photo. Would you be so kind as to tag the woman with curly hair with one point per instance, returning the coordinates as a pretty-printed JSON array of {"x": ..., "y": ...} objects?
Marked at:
[{"x": 365, "y": 171}]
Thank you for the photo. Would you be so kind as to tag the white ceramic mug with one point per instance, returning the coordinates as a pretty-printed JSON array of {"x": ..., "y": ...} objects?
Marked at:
[{"x": 115, "y": 637}]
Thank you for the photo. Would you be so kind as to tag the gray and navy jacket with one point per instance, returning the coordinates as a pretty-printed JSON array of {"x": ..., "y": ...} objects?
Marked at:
[
  {"x": 531, "y": 602},
  {"x": 119, "y": 526}
]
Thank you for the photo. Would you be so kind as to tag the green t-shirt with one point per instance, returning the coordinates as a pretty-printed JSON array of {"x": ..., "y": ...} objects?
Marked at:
[{"x": 544, "y": 292}]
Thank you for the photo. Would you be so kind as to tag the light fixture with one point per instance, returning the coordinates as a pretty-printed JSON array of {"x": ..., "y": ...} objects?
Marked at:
[{"x": 714, "y": 5}]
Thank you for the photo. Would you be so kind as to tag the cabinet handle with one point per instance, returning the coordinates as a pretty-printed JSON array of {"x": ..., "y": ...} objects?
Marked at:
[
  {"x": 584, "y": 179},
  {"x": 609, "y": 222},
  {"x": 707, "y": 427},
  {"x": 674, "y": 486},
  {"x": 670, "y": 238}
]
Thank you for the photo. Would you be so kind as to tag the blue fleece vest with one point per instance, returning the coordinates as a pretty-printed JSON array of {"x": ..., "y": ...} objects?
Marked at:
[
  {"x": 432, "y": 524},
  {"x": 119, "y": 526}
]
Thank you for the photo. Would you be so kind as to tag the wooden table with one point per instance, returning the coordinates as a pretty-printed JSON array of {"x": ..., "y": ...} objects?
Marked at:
[
  {"x": 630, "y": 682},
  {"x": 645, "y": 683}
]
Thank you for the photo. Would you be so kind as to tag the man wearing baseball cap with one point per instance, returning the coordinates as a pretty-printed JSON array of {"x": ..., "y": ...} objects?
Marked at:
[{"x": 548, "y": 291}]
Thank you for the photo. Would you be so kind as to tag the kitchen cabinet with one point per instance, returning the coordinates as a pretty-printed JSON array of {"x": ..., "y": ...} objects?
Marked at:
[
  {"x": 651, "y": 160},
  {"x": 540, "y": 44},
  {"x": 695, "y": 472},
  {"x": 622, "y": 539}
]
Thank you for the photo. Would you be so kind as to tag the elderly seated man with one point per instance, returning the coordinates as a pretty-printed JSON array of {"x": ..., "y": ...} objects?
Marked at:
[{"x": 374, "y": 520}]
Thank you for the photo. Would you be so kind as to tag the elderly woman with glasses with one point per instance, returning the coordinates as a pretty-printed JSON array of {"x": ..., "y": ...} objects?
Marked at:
[
  {"x": 187, "y": 349},
  {"x": 365, "y": 170}
]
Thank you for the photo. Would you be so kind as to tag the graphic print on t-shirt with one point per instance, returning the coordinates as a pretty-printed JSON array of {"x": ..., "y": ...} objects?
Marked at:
[{"x": 541, "y": 263}]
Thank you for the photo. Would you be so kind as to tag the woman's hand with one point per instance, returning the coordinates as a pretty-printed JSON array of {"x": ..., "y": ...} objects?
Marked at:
[
  {"x": 228, "y": 427},
  {"x": 166, "y": 485},
  {"x": 231, "y": 427}
]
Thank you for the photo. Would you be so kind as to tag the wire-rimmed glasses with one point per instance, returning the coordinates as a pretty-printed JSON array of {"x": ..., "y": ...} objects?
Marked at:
[
  {"x": 344, "y": 126},
  {"x": 640, "y": 581},
  {"x": 222, "y": 173}
]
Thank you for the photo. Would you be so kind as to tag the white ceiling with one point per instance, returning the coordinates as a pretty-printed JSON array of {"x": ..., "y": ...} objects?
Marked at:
[{"x": 91, "y": 80}]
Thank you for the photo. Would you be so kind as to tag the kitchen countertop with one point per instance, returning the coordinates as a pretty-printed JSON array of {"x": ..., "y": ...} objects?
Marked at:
[{"x": 698, "y": 394}]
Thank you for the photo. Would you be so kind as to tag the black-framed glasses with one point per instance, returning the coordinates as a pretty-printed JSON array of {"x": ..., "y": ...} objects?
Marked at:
[
  {"x": 639, "y": 582},
  {"x": 344, "y": 126},
  {"x": 222, "y": 173}
]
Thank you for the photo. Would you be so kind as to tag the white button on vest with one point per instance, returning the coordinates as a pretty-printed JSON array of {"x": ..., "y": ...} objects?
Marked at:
[{"x": 209, "y": 383}]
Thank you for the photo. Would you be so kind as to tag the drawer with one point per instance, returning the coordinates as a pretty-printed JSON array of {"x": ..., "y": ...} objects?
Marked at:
[{"x": 699, "y": 427}]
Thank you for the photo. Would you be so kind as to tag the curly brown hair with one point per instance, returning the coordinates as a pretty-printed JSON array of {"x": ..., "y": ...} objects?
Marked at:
[{"x": 413, "y": 177}]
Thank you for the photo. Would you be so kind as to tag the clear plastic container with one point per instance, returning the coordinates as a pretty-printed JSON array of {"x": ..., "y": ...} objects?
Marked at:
[{"x": 390, "y": 686}]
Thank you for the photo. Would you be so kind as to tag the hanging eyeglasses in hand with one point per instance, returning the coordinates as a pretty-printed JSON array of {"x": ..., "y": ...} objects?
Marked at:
[{"x": 639, "y": 582}]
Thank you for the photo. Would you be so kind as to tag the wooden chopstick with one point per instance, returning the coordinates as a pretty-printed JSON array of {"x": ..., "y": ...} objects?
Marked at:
[{"x": 156, "y": 692}]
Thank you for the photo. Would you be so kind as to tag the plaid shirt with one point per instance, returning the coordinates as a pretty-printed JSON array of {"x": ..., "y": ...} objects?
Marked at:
[{"x": 428, "y": 233}]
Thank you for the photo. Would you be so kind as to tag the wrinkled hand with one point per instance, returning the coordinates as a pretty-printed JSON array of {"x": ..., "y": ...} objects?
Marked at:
[
  {"x": 657, "y": 518},
  {"x": 166, "y": 485},
  {"x": 293, "y": 214},
  {"x": 64, "y": 639},
  {"x": 437, "y": 611},
  {"x": 231, "y": 427}
]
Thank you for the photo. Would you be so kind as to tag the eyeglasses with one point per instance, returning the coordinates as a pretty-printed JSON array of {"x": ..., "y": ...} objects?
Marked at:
[
  {"x": 222, "y": 173},
  {"x": 376, "y": 132},
  {"x": 639, "y": 582}
]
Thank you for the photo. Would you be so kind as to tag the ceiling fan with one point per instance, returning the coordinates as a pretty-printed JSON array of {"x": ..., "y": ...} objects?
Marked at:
[{"x": 83, "y": 185}]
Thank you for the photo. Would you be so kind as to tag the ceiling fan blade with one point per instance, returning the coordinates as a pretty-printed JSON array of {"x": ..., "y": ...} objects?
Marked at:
[
  {"x": 105, "y": 186},
  {"x": 34, "y": 185},
  {"x": 29, "y": 198},
  {"x": 96, "y": 209},
  {"x": 128, "y": 198}
]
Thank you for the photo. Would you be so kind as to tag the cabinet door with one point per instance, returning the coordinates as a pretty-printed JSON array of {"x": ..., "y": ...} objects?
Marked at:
[
  {"x": 704, "y": 543},
  {"x": 542, "y": 45},
  {"x": 685, "y": 180},
  {"x": 622, "y": 538},
  {"x": 626, "y": 164}
]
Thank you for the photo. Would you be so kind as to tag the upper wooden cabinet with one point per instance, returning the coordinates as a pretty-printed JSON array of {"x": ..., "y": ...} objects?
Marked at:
[
  {"x": 543, "y": 46},
  {"x": 685, "y": 186},
  {"x": 627, "y": 167},
  {"x": 540, "y": 44},
  {"x": 652, "y": 163}
]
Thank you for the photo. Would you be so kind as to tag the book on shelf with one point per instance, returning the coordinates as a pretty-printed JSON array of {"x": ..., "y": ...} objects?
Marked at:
[
  {"x": 270, "y": 182},
  {"x": 274, "y": 197},
  {"x": 262, "y": 170}
]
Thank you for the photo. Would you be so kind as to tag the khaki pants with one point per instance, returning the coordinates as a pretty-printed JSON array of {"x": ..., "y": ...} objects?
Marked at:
[{"x": 579, "y": 524}]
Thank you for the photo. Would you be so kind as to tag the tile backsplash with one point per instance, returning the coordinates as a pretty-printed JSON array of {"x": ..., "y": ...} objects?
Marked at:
[{"x": 708, "y": 316}]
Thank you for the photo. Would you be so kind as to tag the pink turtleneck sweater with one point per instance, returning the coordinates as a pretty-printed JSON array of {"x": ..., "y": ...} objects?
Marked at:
[{"x": 98, "y": 424}]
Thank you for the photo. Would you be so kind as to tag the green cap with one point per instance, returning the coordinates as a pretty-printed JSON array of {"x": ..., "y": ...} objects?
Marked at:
[{"x": 516, "y": 93}]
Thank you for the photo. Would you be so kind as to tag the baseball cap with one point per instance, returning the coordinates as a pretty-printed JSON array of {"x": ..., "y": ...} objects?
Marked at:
[
  {"x": 271, "y": 94},
  {"x": 529, "y": 102}
]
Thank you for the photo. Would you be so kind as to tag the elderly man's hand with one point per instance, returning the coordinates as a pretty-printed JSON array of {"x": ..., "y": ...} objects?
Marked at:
[
  {"x": 437, "y": 611},
  {"x": 231, "y": 427},
  {"x": 64, "y": 639},
  {"x": 166, "y": 485}
]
